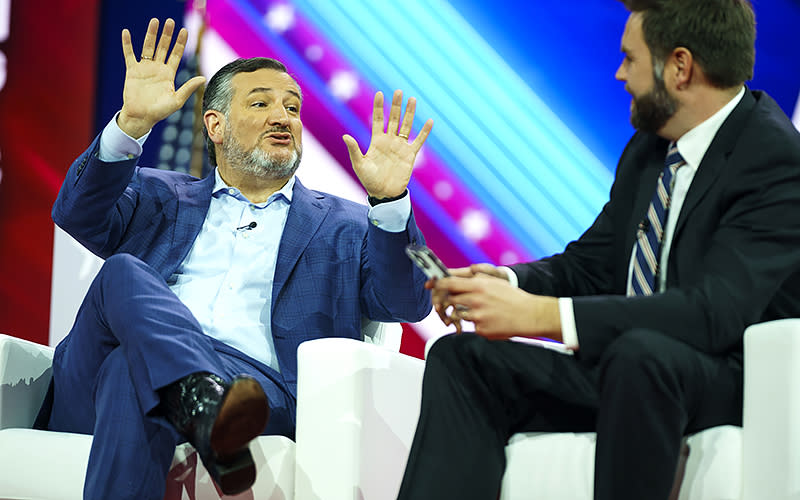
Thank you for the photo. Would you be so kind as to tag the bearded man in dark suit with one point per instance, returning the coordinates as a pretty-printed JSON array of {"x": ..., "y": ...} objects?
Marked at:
[{"x": 700, "y": 239}]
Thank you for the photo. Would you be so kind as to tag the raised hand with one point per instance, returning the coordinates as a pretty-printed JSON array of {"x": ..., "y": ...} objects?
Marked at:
[
  {"x": 385, "y": 169},
  {"x": 149, "y": 94}
]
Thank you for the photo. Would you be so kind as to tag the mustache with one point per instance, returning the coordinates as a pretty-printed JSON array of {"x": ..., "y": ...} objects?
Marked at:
[{"x": 279, "y": 130}]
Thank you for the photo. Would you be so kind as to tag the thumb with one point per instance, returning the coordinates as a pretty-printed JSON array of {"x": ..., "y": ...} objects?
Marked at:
[
  {"x": 188, "y": 88},
  {"x": 353, "y": 150}
]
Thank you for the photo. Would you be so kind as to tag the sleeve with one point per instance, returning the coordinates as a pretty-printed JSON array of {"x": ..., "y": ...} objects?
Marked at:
[
  {"x": 95, "y": 203},
  {"x": 393, "y": 288}
]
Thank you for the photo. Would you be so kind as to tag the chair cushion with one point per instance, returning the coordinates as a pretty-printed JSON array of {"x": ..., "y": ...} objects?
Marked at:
[
  {"x": 29, "y": 456},
  {"x": 540, "y": 463}
]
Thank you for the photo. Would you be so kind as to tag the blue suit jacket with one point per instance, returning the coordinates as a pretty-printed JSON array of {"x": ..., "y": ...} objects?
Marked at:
[{"x": 333, "y": 267}]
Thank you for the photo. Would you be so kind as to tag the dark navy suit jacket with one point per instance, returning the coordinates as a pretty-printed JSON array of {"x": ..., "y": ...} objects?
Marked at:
[{"x": 735, "y": 254}]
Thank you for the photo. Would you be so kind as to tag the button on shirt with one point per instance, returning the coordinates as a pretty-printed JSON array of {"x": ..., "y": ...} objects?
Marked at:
[{"x": 226, "y": 279}]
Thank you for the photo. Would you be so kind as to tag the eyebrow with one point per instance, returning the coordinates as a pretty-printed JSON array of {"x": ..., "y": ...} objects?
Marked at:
[{"x": 256, "y": 90}]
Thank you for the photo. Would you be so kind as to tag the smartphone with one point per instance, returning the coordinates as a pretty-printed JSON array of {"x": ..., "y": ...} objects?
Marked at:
[{"x": 427, "y": 261}]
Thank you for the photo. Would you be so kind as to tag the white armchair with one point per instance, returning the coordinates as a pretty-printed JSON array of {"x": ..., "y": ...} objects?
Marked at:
[
  {"x": 48, "y": 465},
  {"x": 52, "y": 465},
  {"x": 367, "y": 404}
]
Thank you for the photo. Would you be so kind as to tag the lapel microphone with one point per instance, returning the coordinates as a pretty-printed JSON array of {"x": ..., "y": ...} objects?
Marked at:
[{"x": 248, "y": 227}]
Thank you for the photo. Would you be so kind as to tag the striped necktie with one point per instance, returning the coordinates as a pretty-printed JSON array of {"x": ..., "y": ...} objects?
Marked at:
[{"x": 651, "y": 230}]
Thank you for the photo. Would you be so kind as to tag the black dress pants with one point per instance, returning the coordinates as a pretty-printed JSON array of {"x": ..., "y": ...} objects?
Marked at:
[{"x": 646, "y": 392}]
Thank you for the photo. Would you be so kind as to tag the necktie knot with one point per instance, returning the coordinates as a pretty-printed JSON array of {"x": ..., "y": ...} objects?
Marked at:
[
  {"x": 672, "y": 163},
  {"x": 674, "y": 160}
]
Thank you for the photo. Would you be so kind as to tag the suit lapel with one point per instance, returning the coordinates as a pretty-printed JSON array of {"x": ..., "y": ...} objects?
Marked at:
[
  {"x": 306, "y": 214},
  {"x": 715, "y": 159},
  {"x": 194, "y": 198}
]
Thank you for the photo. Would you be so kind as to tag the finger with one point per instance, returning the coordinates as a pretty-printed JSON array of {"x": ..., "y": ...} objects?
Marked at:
[
  {"x": 127, "y": 48},
  {"x": 461, "y": 272},
  {"x": 394, "y": 112},
  {"x": 442, "y": 313},
  {"x": 408, "y": 118},
  {"x": 489, "y": 270},
  {"x": 164, "y": 41},
  {"x": 188, "y": 88},
  {"x": 457, "y": 284},
  {"x": 149, "y": 45},
  {"x": 353, "y": 150},
  {"x": 423, "y": 134},
  {"x": 377, "y": 114},
  {"x": 177, "y": 51}
]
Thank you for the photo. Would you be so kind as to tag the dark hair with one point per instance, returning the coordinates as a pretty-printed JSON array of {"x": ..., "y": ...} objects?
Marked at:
[
  {"x": 219, "y": 91},
  {"x": 720, "y": 34}
]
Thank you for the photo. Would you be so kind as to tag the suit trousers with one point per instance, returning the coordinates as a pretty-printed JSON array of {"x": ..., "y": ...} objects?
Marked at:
[
  {"x": 132, "y": 336},
  {"x": 646, "y": 392}
]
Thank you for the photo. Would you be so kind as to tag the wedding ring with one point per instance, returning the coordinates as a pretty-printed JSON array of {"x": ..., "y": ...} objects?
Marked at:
[
  {"x": 148, "y": 58},
  {"x": 404, "y": 136}
]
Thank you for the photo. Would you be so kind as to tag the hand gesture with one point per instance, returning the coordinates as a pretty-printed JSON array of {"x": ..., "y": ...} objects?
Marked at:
[
  {"x": 149, "y": 94},
  {"x": 385, "y": 169}
]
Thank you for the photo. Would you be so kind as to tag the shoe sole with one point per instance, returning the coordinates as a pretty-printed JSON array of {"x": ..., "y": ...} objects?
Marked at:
[{"x": 242, "y": 417}]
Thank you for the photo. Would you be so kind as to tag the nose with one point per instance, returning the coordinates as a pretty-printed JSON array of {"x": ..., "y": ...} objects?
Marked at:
[
  {"x": 278, "y": 116},
  {"x": 621, "y": 74}
]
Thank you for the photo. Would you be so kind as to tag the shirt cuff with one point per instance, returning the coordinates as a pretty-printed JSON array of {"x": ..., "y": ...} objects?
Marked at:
[
  {"x": 116, "y": 145},
  {"x": 569, "y": 332},
  {"x": 391, "y": 216},
  {"x": 511, "y": 275}
]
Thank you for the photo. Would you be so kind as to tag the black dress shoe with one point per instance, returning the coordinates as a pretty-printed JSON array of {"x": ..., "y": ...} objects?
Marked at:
[{"x": 219, "y": 420}]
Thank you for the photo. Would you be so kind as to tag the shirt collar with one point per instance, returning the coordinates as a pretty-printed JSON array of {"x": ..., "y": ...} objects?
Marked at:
[
  {"x": 694, "y": 143},
  {"x": 220, "y": 188}
]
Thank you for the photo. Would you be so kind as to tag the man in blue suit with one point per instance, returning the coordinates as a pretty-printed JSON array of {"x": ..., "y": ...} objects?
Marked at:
[{"x": 190, "y": 330}]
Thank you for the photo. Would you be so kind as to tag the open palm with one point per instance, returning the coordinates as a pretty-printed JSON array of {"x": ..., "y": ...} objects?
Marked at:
[
  {"x": 149, "y": 94},
  {"x": 386, "y": 168}
]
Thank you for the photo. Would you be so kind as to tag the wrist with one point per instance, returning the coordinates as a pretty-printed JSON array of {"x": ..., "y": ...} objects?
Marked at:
[
  {"x": 551, "y": 318},
  {"x": 134, "y": 127},
  {"x": 377, "y": 200}
]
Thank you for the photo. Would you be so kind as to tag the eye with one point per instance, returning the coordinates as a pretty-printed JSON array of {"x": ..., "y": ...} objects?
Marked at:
[
  {"x": 292, "y": 108},
  {"x": 258, "y": 104}
]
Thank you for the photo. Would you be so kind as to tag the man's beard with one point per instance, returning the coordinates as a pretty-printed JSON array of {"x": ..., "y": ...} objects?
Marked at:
[
  {"x": 652, "y": 110},
  {"x": 257, "y": 162}
]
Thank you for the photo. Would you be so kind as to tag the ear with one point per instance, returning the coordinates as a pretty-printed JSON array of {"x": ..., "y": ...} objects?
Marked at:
[
  {"x": 215, "y": 125},
  {"x": 681, "y": 64}
]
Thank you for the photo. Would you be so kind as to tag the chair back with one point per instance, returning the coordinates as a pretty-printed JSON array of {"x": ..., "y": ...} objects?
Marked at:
[{"x": 25, "y": 373}]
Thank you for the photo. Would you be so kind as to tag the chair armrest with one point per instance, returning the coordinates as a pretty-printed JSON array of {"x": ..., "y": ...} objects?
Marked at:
[
  {"x": 357, "y": 410},
  {"x": 25, "y": 373},
  {"x": 770, "y": 440},
  {"x": 386, "y": 335}
]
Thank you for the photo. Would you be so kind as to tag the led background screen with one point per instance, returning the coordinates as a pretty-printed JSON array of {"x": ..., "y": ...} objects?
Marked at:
[{"x": 529, "y": 121}]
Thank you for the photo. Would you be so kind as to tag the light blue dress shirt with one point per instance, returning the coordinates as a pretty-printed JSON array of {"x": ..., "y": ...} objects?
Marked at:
[{"x": 226, "y": 279}]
